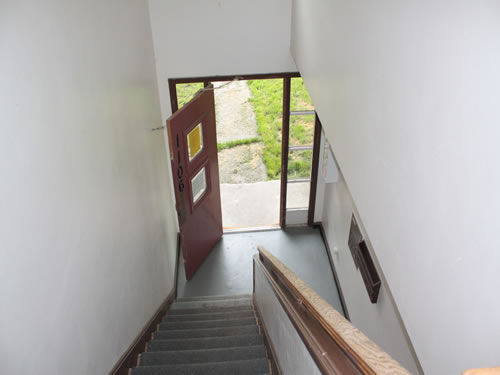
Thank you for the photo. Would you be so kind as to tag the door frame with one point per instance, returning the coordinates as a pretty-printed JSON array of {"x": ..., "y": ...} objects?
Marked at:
[{"x": 287, "y": 76}]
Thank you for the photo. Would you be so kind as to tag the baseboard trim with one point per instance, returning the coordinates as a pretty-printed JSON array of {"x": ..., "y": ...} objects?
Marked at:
[
  {"x": 271, "y": 351},
  {"x": 130, "y": 357},
  {"x": 176, "y": 270},
  {"x": 334, "y": 270}
]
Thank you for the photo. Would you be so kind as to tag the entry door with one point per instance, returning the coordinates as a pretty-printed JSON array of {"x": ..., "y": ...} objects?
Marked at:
[{"x": 193, "y": 147}]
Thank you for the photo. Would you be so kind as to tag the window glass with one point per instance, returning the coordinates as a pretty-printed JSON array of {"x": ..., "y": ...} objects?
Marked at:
[
  {"x": 301, "y": 130},
  {"x": 299, "y": 164},
  {"x": 199, "y": 185},
  {"x": 267, "y": 101},
  {"x": 195, "y": 141},
  {"x": 297, "y": 195}
]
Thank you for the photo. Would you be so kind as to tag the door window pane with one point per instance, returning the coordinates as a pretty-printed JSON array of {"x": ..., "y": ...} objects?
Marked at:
[
  {"x": 199, "y": 185},
  {"x": 195, "y": 141}
]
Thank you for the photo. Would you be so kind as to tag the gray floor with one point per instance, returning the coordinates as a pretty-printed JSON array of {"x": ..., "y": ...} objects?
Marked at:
[{"x": 229, "y": 270}]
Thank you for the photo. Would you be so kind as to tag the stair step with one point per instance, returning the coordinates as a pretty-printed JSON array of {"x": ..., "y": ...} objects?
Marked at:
[
  {"x": 202, "y": 355},
  {"x": 208, "y": 316},
  {"x": 209, "y": 310},
  {"x": 209, "y": 298},
  {"x": 245, "y": 301},
  {"x": 204, "y": 343},
  {"x": 243, "y": 367},
  {"x": 207, "y": 324},
  {"x": 207, "y": 332}
]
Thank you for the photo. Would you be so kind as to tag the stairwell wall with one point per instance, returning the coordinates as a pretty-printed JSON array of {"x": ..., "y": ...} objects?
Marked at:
[
  {"x": 87, "y": 225},
  {"x": 408, "y": 95},
  {"x": 194, "y": 38},
  {"x": 381, "y": 321}
]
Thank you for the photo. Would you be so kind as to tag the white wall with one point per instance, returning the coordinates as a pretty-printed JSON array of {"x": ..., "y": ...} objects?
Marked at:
[
  {"x": 194, "y": 38},
  {"x": 291, "y": 352},
  {"x": 86, "y": 225},
  {"x": 379, "y": 321},
  {"x": 408, "y": 94}
]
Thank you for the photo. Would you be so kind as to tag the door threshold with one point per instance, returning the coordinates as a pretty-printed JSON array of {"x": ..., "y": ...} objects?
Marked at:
[{"x": 264, "y": 228}]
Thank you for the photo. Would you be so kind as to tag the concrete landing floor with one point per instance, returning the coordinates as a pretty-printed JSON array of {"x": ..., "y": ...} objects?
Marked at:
[{"x": 229, "y": 268}]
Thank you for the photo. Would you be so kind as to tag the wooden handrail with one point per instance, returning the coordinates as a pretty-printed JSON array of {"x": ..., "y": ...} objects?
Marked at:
[
  {"x": 483, "y": 371},
  {"x": 365, "y": 355},
  {"x": 329, "y": 357}
]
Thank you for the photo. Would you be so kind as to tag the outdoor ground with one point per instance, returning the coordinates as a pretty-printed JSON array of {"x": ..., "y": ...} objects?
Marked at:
[
  {"x": 249, "y": 128},
  {"x": 248, "y": 115}
]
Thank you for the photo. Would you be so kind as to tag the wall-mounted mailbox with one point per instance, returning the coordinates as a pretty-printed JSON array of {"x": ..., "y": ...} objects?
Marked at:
[{"x": 364, "y": 261}]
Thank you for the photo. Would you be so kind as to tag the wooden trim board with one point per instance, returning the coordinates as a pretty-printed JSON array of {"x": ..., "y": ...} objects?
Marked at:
[
  {"x": 174, "y": 103},
  {"x": 326, "y": 353},
  {"x": 334, "y": 270},
  {"x": 285, "y": 137},
  {"x": 176, "y": 271},
  {"x": 130, "y": 357},
  {"x": 483, "y": 371},
  {"x": 367, "y": 355},
  {"x": 231, "y": 77},
  {"x": 314, "y": 171}
]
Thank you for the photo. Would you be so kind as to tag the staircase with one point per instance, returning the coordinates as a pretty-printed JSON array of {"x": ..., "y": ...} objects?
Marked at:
[{"x": 206, "y": 335}]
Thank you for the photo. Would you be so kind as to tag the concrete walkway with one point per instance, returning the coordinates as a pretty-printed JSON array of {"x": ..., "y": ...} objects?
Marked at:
[
  {"x": 234, "y": 113},
  {"x": 258, "y": 203},
  {"x": 242, "y": 164},
  {"x": 236, "y": 121}
]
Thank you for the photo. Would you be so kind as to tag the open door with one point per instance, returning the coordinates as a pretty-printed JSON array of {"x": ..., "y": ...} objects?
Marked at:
[{"x": 193, "y": 151}]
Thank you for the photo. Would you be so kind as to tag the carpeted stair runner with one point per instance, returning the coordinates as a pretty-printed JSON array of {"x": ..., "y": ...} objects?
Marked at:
[{"x": 206, "y": 336}]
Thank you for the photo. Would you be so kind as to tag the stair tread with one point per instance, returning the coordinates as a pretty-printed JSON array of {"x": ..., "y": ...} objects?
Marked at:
[
  {"x": 208, "y": 310},
  {"x": 206, "y": 335},
  {"x": 206, "y": 332},
  {"x": 214, "y": 297},
  {"x": 208, "y": 316},
  {"x": 227, "y": 318},
  {"x": 203, "y": 355},
  {"x": 211, "y": 303},
  {"x": 217, "y": 323},
  {"x": 204, "y": 342},
  {"x": 240, "y": 367}
]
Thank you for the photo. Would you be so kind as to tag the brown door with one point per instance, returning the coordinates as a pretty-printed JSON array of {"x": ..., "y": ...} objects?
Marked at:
[{"x": 193, "y": 148}]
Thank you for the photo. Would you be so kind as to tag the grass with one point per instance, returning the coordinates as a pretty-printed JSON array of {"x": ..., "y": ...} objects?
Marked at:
[
  {"x": 301, "y": 130},
  {"x": 267, "y": 101},
  {"x": 238, "y": 142},
  {"x": 301, "y": 127},
  {"x": 299, "y": 97},
  {"x": 186, "y": 91},
  {"x": 299, "y": 164}
]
